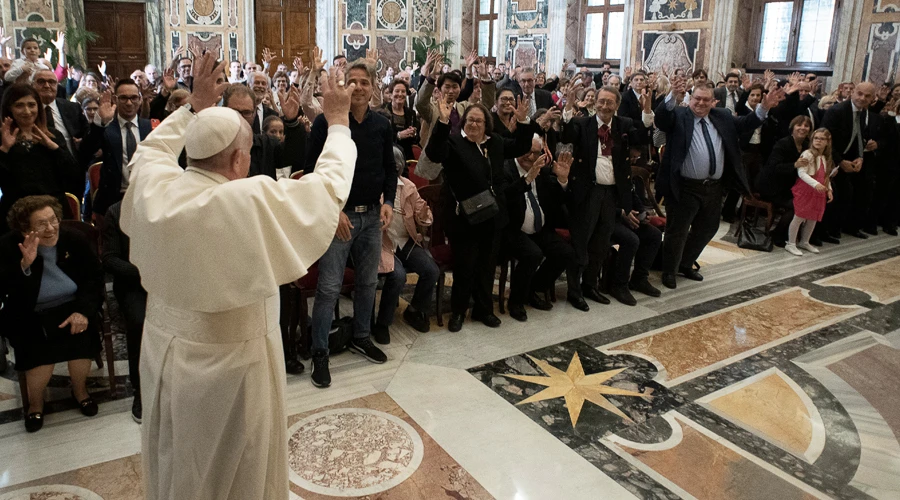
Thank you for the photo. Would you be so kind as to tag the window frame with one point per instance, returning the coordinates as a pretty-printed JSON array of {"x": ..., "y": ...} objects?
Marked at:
[
  {"x": 492, "y": 19},
  {"x": 605, "y": 9},
  {"x": 790, "y": 63}
]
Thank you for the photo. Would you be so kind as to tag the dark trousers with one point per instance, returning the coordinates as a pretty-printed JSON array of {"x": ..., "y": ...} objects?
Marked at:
[
  {"x": 852, "y": 196},
  {"x": 639, "y": 245},
  {"x": 691, "y": 222},
  {"x": 530, "y": 274},
  {"x": 133, "y": 305},
  {"x": 591, "y": 227},
  {"x": 474, "y": 263},
  {"x": 420, "y": 262},
  {"x": 885, "y": 207},
  {"x": 751, "y": 159}
]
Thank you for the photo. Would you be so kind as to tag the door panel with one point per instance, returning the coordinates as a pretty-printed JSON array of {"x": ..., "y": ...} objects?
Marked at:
[
  {"x": 287, "y": 28},
  {"x": 122, "y": 41}
]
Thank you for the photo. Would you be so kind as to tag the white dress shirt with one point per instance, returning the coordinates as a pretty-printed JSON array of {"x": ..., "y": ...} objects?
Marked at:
[
  {"x": 604, "y": 170},
  {"x": 60, "y": 125},
  {"x": 528, "y": 223},
  {"x": 259, "y": 114},
  {"x": 126, "y": 168}
]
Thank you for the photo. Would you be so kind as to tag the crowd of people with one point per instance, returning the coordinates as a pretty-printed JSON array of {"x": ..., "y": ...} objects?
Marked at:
[{"x": 545, "y": 172}]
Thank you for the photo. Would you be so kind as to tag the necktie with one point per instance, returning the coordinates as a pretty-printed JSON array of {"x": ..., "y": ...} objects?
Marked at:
[
  {"x": 857, "y": 131},
  {"x": 532, "y": 109},
  {"x": 532, "y": 200},
  {"x": 454, "y": 121},
  {"x": 605, "y": 142},
  {"x": 729, "y": 103},
  {"x": 709, "y": 147},
  {"x": 51, "y": 123},
  {"x": 130, "y": 142}
]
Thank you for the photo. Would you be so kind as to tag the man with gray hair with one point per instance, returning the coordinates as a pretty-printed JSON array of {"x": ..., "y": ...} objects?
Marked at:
[
  {"x": 212, "y": 371},
  {"x": 260, "y": 83}
]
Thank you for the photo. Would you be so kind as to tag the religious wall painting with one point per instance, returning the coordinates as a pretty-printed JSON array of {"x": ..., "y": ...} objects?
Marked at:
[
  {"x": 205, "y": 41},
  {"x": 677, "y": 49},
  {"x": 425, "y": 14},
  {"x": 34, "y": 11},
  {"x": 526, "y": 14},
  {"x": 528, "y": 51},
  {"x": 392, "y": 51},
  {"x": 882, "y": 53},
  {"x": 658, "y": 11},
  {"x": 356, "y": 14},
  {"x": 355, "y": 45},
  {"x": 391, "y": 15},
  {"x": 886, "y": 6},
  {"x": 203, "y": 12},
  {"x": 174, "y": 13}
]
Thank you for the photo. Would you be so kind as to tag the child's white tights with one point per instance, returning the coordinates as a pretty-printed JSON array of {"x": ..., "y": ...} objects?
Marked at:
[{"x": 794, "y": 229}]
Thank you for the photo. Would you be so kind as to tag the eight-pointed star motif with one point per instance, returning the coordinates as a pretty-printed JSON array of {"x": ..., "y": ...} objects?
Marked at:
[{"x": 575, "y": 387}]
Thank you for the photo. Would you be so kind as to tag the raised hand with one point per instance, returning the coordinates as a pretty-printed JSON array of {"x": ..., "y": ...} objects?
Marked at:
[
  {"x": 169, "y": 81},
  {"x": 768, "y": 76},
  {"x": 44, "y": 139},
  {"x": 665, "y": 70},
  {"x": 206, "y": 91},
  {"x": 336, "y": 98},
  {"x": 4, "y": 38},
  {"x": 883, "y": 93},
  {"x": 298, "y": 64},
  {"x": 316, "y": 61},
  {"x": 546, "y": 120},
  {"x": 679, "y": 87},
  {"x": 29, "y": 249},
  {"x": 522, "y": 108},
  {"x": 372, "y": 55},
  {"x": 471, "y": 59},
  {"x": 48, "y": 54},
  {"x": 9, "y": 135},
  {"x": 415, "y": 65},
  {"x": 102, "y": 68},
  {"x": 628, "y": 71},
  {"x": 571, "y": 96},
  {"x": 562, "y": 166},
  {"x": 180, "y": 51},
  {"x": 60, "y": 42},
  {"x": 773, "y": 97},
  {"x": 290, "y": 103},
  {"x": 646, "y": 101},
  {"x": 267, "y": 55},
  {"x": 107, "y": 110},
  {"x": 444, "y": 110},
  {"x": 746, "y": 81}
]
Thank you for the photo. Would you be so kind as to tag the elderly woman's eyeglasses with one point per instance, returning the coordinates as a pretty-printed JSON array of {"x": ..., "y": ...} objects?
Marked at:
[
  {"x": 475, "y": 121},
  {"x": 46, "y": 224}
]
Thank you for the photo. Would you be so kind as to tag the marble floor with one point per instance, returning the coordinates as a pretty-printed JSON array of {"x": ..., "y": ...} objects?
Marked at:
[{"x": 774, "y": 378}]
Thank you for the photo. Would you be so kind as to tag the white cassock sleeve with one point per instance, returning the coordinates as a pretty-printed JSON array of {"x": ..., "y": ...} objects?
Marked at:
[{"x": 204, "y": 243}]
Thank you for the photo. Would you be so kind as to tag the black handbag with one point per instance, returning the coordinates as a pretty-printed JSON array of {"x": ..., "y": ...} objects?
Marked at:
[
  {"x": 752, "y": 237},
  {"x": 482, "y": 206}
]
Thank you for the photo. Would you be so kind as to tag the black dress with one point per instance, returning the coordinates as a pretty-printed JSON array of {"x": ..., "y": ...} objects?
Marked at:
[
  {"x": 778, "y": 175},
  {"x": 34, "y": 335},
  {"x": 401, "y": 123}
]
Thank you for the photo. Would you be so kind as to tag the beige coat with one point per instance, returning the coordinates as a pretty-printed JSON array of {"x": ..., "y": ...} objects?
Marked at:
[{"x": 416, "y": 213}]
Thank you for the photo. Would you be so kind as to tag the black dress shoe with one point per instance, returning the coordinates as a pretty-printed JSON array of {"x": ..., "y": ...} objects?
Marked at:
[
  {"x": 668, "y": 280},
  {"x": 34, "y": 421},
  {"x": 381, "y": 334},
  {"x": 87, "y": 406},
  {"x": 815, "y": 241},
  {"x": 644, "y": 287},
  {"x": 622, "y": 294},
  {"x": 488, "y": 319},
  {"x": 517, "y": 312},
  {"x": 292, "y": 366},
  {"x": 539, "y": 303},
  {"x": 830, "y": 239},
  {"x": 579, "y": 303},
  {"x": 417, "y": 320},
  {"x": 594, "y": 294},
  {"x": 456, "y": 322},
  {"x": 858, "y": 234},
  {"x": 690, "y": 273},
  {"x": 137, "y": 410},
  {"x": 871, "y": 230},
  {"x": 890, "y": 230}
]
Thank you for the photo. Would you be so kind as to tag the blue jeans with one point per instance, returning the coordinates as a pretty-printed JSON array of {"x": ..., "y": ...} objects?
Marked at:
[
  {"x": 419, "y": 262},
  {"x": 364, "y": 248}
]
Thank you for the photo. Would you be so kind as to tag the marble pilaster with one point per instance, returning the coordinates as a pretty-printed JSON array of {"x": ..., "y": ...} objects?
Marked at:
[
  {"x": 723, "y": 25},
  {"x": 326, "y": 29},
  {"x": 556, "y": 46}
]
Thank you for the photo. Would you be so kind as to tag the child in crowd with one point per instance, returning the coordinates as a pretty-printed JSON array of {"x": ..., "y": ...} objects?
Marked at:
[{"x": 811, "y": 191}]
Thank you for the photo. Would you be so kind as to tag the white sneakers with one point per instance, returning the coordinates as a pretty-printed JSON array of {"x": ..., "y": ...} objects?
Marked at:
[{"x": 795, "y": 249}]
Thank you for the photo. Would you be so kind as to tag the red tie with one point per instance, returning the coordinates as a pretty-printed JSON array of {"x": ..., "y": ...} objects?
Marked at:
[{"x": 605, "y": 140}]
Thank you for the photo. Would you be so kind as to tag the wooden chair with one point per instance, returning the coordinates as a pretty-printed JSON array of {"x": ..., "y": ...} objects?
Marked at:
[
  {"x": 94, "y": 179},
  {"x": 644, "y": 175},
  {"x": 436, "y": 243},
  {"x": 74, "y": 205},
  {"x": 757, "y": 205}
]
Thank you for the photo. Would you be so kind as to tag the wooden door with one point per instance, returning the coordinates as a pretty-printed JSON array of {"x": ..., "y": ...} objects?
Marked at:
[
  {"x": 122, "y": 41},
  {"x": 287, "y": 28}
]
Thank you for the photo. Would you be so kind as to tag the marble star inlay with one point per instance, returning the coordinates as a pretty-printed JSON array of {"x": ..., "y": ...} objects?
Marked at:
[{"x": 575, "y": 387}]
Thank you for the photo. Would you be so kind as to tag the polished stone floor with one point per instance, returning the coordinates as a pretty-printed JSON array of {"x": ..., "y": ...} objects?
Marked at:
[{"x": 775, "y": 378}]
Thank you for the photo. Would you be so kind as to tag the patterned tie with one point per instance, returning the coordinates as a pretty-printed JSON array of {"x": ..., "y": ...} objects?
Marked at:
[
  {"x": 454, "y": 121},
  {"x": 130, "y": 142},
  {"x": 532, "y": 200},
  {"x": 605, "y": 140},
  {"x": 729, "y": 103},
  {"x": 51, "y": 123},
  {"x": 710, "y": 148}
]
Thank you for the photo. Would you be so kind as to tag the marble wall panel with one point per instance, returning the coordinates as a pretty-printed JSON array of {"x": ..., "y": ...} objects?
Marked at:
[
  {"x": 391, "y": 15},
  {"x": 34, "y": 11},
  {"x": 210, "y": 42},
  {"x": 467, "y": 40},
  {"x": 661, "y": 11},
  {"x": 882, "y": 52},
  {"x": 527, "y": 14},
  {"x": 573, "y": 25},
  {"x": 425, "y": 14},
  {"x": 355, "y": 45},
  {"x": 215, "y": 25},
  {"x": 677, "y": 49},
  {"x": 203, "y": 12},
  {"x": 356, "y": 14},
  {"x": 39, "y": 19},
  {"x": 526, "y": 51},
  {"x": 886, "y": 6},
  {"x": 392, "y": 50}
]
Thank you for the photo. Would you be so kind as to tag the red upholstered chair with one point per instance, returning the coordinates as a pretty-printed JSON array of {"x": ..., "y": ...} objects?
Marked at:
[
  {"x": 74, "y": 206},
  {"x": 418, "y": 181},
  {"x": 94, "y": 178},
  {"x": 297, "y": 175},
  {"x": 417, "y": 151},
  {"x": 436, "y": 243},
  {"x": 298, "y": 295}
]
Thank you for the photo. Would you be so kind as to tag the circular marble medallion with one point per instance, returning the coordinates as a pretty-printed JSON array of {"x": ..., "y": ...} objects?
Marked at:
[
  {"x": 351, "y": 452},
  {"x": 51, "y": 492},
  {"x": 839, "y": 295}
]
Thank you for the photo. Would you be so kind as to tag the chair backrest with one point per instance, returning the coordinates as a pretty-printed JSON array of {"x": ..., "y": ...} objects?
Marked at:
[
  {"x": 94, "y": 178},
  {"x": 418, "y": 181},
  {"x": 74, "y": 205},
  {"x": 417, "y": 151},
  {"x": 644, "y": 174},
  {"x": 297, "y": 175},
  {"x": 433, "y": 196}
]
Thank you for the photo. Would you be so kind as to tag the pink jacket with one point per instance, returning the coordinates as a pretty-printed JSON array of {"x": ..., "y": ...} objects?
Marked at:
[{"x": 415, "y": 213}]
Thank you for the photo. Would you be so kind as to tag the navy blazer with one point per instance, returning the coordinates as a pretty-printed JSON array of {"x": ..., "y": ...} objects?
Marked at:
[
  {"x": 678, "y": 124},
  {"x": 109, "y": 139}
]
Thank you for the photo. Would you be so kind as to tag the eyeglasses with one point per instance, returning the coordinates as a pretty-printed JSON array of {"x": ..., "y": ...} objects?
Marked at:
[
  {"x": 507, "y": 99},
  {"x": 475, "y": 121},
  {"x": 45, "y": 81},
  {"x": 606, "y": 102},
  {"x": 246, "y": 113},
  {"x": 47, "y": 224},
  {"x": 126, "y": 98}
]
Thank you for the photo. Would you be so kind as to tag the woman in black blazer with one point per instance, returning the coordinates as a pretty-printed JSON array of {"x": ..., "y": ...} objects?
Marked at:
[
  {"x": 473, "y": 163},
  {"x": 778, "y": 175},
  {"x": 51, "y": 286},
  {"x": 403, "y": 118}
]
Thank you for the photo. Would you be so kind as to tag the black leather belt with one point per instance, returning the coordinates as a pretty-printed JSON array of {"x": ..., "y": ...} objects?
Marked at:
[
  {"x": 359, "y": 209},
  {"x": 703, "y": 182}
]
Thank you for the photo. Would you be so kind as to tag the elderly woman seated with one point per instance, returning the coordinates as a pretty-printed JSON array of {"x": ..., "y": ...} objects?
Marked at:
[{"x": 50, "y": 285}]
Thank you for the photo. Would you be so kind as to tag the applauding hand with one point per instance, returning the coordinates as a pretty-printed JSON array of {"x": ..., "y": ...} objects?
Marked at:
[
  {"x": 562, "y": 166},
  {"x": 336, "y": 98},
  {"x": 205, "y": 72}
]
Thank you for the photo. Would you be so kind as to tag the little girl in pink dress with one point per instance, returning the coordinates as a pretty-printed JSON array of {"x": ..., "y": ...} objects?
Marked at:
[{"x": 811, "y": 191}]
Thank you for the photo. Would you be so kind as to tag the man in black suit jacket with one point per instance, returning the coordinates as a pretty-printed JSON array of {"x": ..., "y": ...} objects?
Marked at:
[
  {"x": 599, "y": 183},
  {"x": 798, "y": 101},
  {"x": 631, "y": 107},
  {"x": 728, "y": 96},
  {"x": 62, "y": 115},
  {"x": 702, "y": 156},
  {"x": 539, "y": 98},
  {"x": 534, "y": 200},
  {"x": 855, "y": 132},
  {"x": 112, "y": 137}
]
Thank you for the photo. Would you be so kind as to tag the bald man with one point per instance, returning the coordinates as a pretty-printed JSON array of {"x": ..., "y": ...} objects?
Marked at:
[{"x": 212, "y": 246}]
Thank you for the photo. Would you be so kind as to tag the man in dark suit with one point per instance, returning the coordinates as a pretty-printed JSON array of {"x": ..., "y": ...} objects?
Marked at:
[
  {"x": 639, "y": 243},
  {"x": 798, "y": 101},
  {"x": 599, "y": 183},
  {"x": 118, "y": 137},
  {"x": 702, "y": 156},
  {"x": 534, "y": 199},
  {"x": 855, "y": 132},
  {"x": 538, "y": 98},
  {"x": 728, "y": 96},
  {"x": 62, "y": 115}
]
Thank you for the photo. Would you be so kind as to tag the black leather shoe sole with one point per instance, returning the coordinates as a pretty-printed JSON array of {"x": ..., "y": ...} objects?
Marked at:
[
  {"x": 518, "y": 313},
  {"x": 859, "y": 234},
  {"x": 891, "y": 231},
  {"x": 540, "y": 304},
  {"x": 294, "y": 367},
  {"x": 419, "y": 322}
]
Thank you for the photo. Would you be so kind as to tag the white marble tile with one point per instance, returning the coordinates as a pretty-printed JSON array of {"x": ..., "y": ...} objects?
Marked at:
[{"x": 506, "y": 452}]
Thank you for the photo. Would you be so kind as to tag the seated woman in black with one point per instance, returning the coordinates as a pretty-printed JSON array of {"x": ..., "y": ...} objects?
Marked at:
[
  {"x": 778, "y": 175},
  {"x": 33, "y": 160},
  {"x": 406, "y": 126},
  {"x": 50, "y": 284},
  {"x": 473, "y": 165}
]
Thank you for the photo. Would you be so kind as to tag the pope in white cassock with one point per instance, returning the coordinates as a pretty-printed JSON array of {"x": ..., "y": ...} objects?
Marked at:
[{"x": 212, "y": 247}]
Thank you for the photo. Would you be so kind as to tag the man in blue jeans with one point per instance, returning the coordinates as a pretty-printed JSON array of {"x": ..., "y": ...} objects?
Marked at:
[{"x": 358, "y": 234}]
